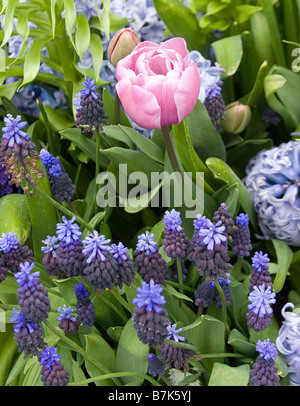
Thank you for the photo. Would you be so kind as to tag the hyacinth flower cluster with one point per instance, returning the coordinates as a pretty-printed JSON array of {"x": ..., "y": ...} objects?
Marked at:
[
  {"x": 34, "y": 308},
  {"x": 261, "y": 296},
  {"x": 149, "y": 316},
  {"x": 241, "y": 239},
  {"x": 172, "y": 356},
  {"x": 272, "y": 180},
  {"x": 175, "y": 242},
  {"x": 206, "y": 293},
  {"x": 264, "y": 371},
  {"x": 148, "y": 261},
  {"x": 18, "y": 154},
  {"x": 61, "y": 185},
  {"x": 12, "y": 254},
  {"x": 288, "y": 342},
  {"x": 90, "y": 115}
]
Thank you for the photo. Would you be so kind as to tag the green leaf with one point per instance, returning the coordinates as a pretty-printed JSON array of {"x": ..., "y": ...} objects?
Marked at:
[
  {"x": 70, "y": 18},
  {"x": 43, "y": 217},
  {"x": 229, "y": 52},
  {"x": 205, "y": 138},
  {"x": 241, "y": 344},
  {"x": 144, "y": 144},
  {"x": 181, "y": 22},
  {"x": 32, "y": 60},
  {"x": 8, "y": 21},
  {"x": 222, "y": 171},
  {"x": 131, "y": 354},
  {"x": 102, "y": 354},
  {"x": 14, "y": 216},
  {"x": 209, "y": 338},
  {"x": 8, "y": 352},
  {"x": 97, "y": 53},
  {"x": 284, "y": 259},
  {"x": 85, "y": 144},
  {"x": 224, "y": 375},
  {"x": 82, "y": 35}
]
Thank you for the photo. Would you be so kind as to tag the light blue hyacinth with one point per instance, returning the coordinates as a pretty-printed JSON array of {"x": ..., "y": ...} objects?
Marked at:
[{"x": 273, "y": 180}]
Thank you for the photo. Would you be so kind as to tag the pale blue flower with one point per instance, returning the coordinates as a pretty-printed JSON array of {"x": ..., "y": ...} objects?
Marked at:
[
  {"x": 95, "y": 245},
  {"x": 288, "y": 342},
  {"x": 149, "y": 295},
  {"x": 147, "y": 243},
  {"x": 273, "y": 179}
]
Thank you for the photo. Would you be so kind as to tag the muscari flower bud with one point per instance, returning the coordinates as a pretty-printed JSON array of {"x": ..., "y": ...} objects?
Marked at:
[
  {"x": 175, "y": 357},
  {"x": 68, "y": 323},
  {"x": 224, "y": 215},
  {"x": 264, "y": 372},
  {"x": 13, "y": 253},
  {"x": 28, "y": 335},
  {"x": 215, "y": 104},
  {"x": 149, "y": 317},
  {"x": 53, "y": 372},
  {"x": 236, "y": 118},
  {"x": 241, "y": 240},
  {"x": 260, "y": 311},
  {"x": 100, "y": 267},
  {"x": 61, "y": 184},
  {"x": 84, "y": 307},
  {"x": 260, "y": 274},
  {"x": 49, "y": 258},
  {"x": 18, "y": 153},
  {"x": 156, "y": 367},
  {"x": 206, "y": 293},
  {"x": 33, "y": 297},
  {"x": 148, "y": 261},
  {"x": 90, "y": 114},
  {"x": 121, "y": 45},
  {"x": 175, "y": 242},
  {"x": 210, "y": 253},
  {"x": 69, "y": 256},
  {"x": 126, "y": 272}
]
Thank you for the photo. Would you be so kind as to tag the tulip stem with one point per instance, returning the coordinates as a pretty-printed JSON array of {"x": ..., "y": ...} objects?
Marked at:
[
  {"x": 117, "y": 109},
  {"x": 170, "y": 149}
]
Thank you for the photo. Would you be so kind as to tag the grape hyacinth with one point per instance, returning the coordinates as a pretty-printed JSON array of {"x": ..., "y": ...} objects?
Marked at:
[
  {"x": 33, "y": 297},
  {"x": 69, "y": 256},
  {"x": 90, "y": 115},
  {"x": 18, "y": 153},
  {"x": 223, "y": 214},
  {"x": 28, "y": 335},
  {"x": 149, "y": 317},
  {"x": 210, "y": 253},
  {"x": 84, "y": 307},
  {"x": 13, "y": 252},
  {"x": 215, "y": 104},
  {"x": 260, "y": 311},
  {"x": 100, "y": 267},
  {"x": 68, "y": 323},
  {"x": 206, "y": 293},
  {"x": 5, "y": 186},
  {"x": 175, "y": 242},
  {"x": 53, "y": 372},
  {"x": 49, "y": 258},
  {"x": 288, "y": 342},
  {"x": 155, "y": 366},
  {"x": 273, "y": 183},
  {"x": 264, "y": 371},
  {"x": 260, "y": 274},
  {"x": 175, "y": 357},
  {"x": 126, "y": 272},
  {"x": 148, "y": 261},
  {"x": 61, "y": 184},
  {"x": 241, "y": 239},
  {"x": 3, "y": 269}
]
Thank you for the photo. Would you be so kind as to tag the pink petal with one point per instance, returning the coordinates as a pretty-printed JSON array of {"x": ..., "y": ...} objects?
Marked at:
[
  {"x": 187, "y": 92},
  {"x": 139, "y": 104},
  {"x": 178, "y": 44}
]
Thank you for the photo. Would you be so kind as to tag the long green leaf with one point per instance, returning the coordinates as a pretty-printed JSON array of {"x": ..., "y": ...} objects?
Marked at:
[
  {"x": 284, "y": 259},
  {"x": 222, "y": 171},
  {"x": 32, "y": 60}
]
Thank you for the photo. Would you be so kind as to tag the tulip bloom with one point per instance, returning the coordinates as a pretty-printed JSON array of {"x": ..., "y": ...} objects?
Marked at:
[{"x": 157, "y": 84}]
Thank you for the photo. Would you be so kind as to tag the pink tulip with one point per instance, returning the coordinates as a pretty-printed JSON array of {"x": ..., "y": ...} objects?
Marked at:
[{"x": 157, "y": 84}]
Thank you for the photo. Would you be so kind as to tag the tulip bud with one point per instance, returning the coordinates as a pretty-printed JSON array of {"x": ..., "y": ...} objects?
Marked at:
[
  {"x": 121, "y": 45},
  {"x": 236, "y": 118}
]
